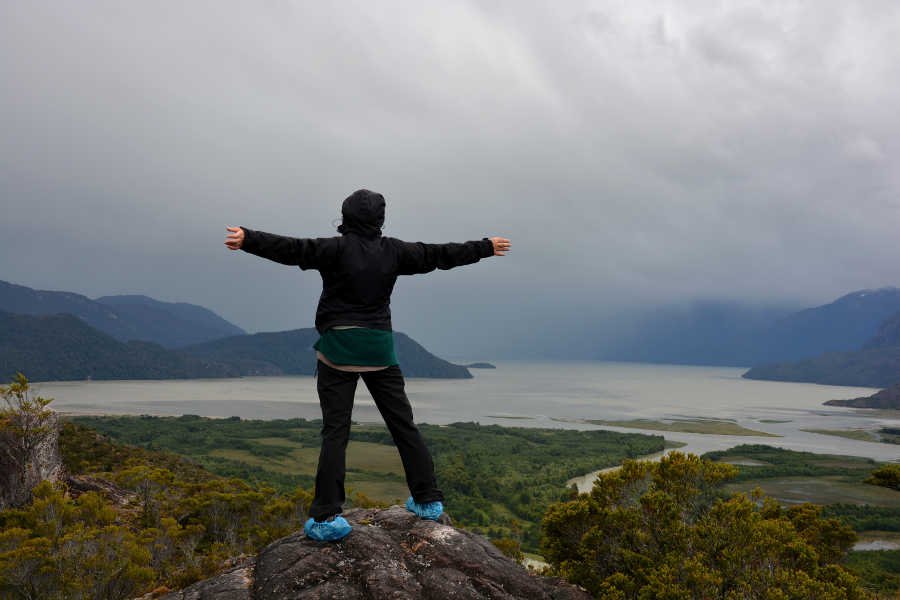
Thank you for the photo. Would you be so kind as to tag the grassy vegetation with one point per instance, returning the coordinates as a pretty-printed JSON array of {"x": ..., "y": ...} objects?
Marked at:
[
  {"x": 837, "y": 483},
  {"x": 852, "y": 434},
  {"x": 713, "y": 426},
  {"x": 890, "y": 435},
  {"x": 509, "y": 417},
  {"x": 372, "y": 469},
  {"x": 778, "y": 462},
  {"x": 187, "y": 520},
  {"x": 867, "y": 519},
  {"x": 794, "y": 477},
  {"x": 878, "y": 569},
  {"x": 497, "y": 480},
  {"x": 179, "y": 523},
  {"x": 890, "y": 537},
  {"x": 500, "y": 480},
  {"x": 820, "y": 490},
  {"x": 885, "y": 434}
]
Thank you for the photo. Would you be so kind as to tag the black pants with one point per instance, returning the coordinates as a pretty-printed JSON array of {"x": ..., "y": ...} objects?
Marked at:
[{"x": 336, "y": 390}]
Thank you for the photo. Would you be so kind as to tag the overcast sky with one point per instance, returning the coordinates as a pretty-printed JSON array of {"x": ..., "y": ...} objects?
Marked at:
[{"x": 636, "y": 153}]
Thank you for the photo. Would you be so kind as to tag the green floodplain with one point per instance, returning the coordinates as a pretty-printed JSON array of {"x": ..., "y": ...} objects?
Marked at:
[
  {"x": 886, "y": 435},
  {"x": 693, "y": 425},
  {"x": 499, "y": 480}
]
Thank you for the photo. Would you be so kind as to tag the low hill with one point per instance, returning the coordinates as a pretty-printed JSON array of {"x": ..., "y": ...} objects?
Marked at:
[
  {"x": 875, "y": 367},
  {"x": 291, "y": 353},
  {"x": 62, "y": 347},
  {"x": 886, "y": 398}
]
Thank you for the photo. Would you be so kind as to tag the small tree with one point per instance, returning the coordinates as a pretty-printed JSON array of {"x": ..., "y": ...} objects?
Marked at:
[{"x": 26, "y": 424}]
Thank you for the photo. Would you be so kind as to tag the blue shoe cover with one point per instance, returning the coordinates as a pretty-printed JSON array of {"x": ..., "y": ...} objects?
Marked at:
[
  {"x": 426, "y": 510},
  {"x": 327, "y": 531}
]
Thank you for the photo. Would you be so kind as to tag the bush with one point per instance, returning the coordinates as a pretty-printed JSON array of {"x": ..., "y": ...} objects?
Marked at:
[
  {"x": 887, "y": 476},
  {"x": 667, "y": 530}
]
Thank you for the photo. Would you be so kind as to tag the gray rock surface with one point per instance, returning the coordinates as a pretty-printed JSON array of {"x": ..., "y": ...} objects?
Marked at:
[{"x": 389, "y": 554}]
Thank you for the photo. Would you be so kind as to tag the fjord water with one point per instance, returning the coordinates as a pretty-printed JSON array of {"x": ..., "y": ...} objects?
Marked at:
[{"x": 528, "y": 394}]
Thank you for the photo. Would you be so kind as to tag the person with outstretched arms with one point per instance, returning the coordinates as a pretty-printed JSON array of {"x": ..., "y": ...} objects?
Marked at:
[{"x": 359, "y": 268}]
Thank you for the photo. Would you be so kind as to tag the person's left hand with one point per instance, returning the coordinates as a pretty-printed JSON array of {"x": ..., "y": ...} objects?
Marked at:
[{"x": 235, "y": 239}]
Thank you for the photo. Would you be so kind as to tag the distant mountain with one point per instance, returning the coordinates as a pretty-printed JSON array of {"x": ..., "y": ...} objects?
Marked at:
[
  {"x": 23, "y": 300},
  {"x": 842, "y": 325},
  {"x": 736, "y": 334},
  {"x": 704, "y": 332},
  {"x": 63, "y": 347},
  {"x": 876, "y": 364},
  {"x": 888, "y": 334},
  {"x": 169, "y": 324},
  {"x": 291, "y": 352}
]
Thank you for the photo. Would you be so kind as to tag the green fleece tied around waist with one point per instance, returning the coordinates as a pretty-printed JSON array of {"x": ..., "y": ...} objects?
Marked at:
[{"x": 360, "y": 346}]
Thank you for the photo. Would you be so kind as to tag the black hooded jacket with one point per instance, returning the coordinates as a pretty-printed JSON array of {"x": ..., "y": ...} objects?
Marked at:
[{"x": 360, "y": 266}]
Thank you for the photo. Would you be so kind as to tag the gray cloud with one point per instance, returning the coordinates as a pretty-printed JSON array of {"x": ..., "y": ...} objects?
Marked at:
[{"x": 635, "y": 153}]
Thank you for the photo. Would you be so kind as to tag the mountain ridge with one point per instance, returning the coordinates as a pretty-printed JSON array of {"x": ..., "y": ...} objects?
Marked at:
[
  {"x": 741, "y": 334},
  {"x": 62, "y": 347},
  {"x": 123, "y": 317},
  {"x": 874, "y": 363},
  {"x": 292, "y": 352}
]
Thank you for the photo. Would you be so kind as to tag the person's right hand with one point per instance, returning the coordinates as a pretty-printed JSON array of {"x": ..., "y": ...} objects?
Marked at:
[
  {"x": 235, "y": 239},
  {"x": 501, "y": 245}
]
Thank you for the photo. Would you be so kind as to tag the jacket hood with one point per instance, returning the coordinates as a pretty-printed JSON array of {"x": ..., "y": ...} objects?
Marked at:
[{"x": 363, "y": 213}]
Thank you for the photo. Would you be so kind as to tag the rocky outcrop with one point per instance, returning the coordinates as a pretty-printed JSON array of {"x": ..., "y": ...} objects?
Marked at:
[
  {"x": 79, "y": 484},
  {"x": 389, "y": 554}
]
